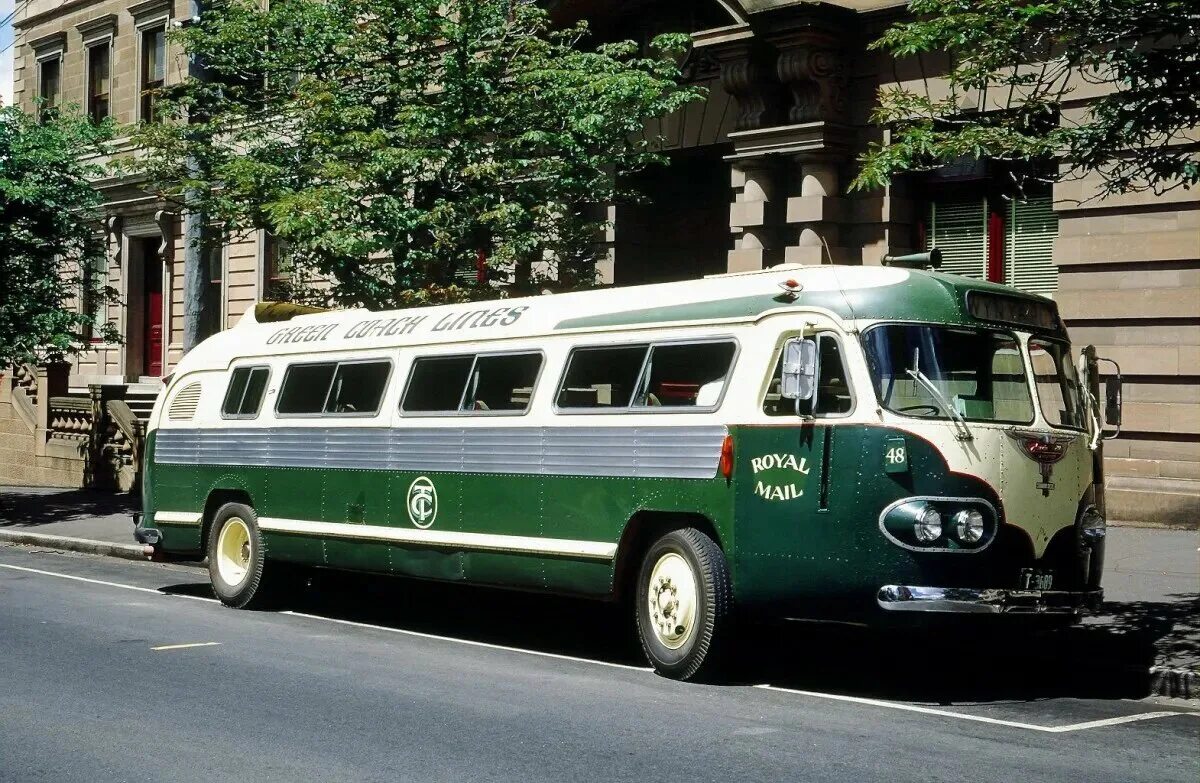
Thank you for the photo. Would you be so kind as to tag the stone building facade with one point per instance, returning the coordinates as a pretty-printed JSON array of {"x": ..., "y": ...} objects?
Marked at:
[{"x": 757, "y": 177}]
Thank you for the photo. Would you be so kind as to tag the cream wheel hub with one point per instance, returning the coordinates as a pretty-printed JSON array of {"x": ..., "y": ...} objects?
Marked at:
[
  {"x": 233, "y": 551},
  {"x": 673, "y": 600}
]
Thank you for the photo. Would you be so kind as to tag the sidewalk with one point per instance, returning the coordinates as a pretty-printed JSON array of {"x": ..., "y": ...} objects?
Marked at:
[{"x": 1150, "y": 620}]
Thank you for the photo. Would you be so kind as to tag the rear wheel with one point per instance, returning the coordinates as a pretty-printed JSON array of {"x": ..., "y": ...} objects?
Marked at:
[
  {"x": 237, "y": 562},
  {"x": 684, "y": 604}
]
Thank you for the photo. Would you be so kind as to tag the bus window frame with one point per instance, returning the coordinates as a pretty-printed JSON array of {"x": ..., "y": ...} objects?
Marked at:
[
  {"x": 475, "y": 357},
  {"x": 337, "y": 363},
  {"x": 818, "y": 333},
  {"x": 655, "y": 410},
  {"x": 266, "y": 390}
]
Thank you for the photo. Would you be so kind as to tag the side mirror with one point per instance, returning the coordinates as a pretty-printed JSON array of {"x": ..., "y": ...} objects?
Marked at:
[
  {"x": 799, "y": 380},
  {"x": 1112, "y": 400}
]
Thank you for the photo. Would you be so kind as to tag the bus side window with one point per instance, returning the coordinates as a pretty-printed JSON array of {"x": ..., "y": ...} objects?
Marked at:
[
  {"x": 358, "y": 387},
  {"x": 503, "y": 382},
  {"x": 686, "y": 375},
  {"x": 833, "y": 385},
  {"x": 305, "y": 387},
  {"x": 437, "y": 384},
  {"x": 601, "y": 377},
  {"x": 244, "y": 396}
]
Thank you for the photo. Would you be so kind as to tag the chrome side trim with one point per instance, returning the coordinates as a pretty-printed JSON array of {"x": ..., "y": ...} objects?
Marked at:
[
  {"x": 644, "y": 452},
  {"x": 177, "y": 517},
  {"x": 965, "y": 600},
  {"x": 492, "y": 542}
]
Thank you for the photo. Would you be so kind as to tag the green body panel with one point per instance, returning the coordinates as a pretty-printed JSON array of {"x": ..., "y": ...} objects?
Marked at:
[
  {"x": 923, "y": 296},
  {"x": 799, "y": 521}
]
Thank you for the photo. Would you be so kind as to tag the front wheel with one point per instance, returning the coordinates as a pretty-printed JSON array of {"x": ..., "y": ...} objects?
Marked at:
[
  {"x": 684, "y": 604},
  {"x": 237, "y": 558}
]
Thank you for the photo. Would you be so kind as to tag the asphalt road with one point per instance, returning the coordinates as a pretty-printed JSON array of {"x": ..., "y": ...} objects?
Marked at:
[{"x": 382, "y": 680}]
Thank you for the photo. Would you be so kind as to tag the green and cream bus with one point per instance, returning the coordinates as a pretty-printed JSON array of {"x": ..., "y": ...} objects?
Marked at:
[{"x": 795, "y": 442}]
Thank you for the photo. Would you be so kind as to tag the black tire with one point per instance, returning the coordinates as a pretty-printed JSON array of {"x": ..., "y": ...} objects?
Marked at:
[
  {"x": 701, "y": 646},
  {"x": 254, "y": 589}
]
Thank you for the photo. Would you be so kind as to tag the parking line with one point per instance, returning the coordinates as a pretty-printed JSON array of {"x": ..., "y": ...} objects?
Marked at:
[
  {"x": 165, "y": 647},
  {"x": 891, "y": 705}
]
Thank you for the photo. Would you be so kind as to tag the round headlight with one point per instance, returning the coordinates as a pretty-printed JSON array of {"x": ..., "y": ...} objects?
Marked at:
[
  {"x": 968, "y": 526},
  {"x": 927, "y": 526}
]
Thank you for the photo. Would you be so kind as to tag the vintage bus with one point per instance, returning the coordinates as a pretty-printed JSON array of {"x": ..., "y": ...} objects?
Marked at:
[{"x": 793, "y": 442}]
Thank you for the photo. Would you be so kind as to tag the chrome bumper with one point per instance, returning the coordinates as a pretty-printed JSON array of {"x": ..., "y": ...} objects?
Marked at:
[{"x": 965, "y": 600}]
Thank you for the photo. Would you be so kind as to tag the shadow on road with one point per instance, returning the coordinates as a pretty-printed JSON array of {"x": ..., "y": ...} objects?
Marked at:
[
  {"x": 34, "y": 507},
  {"x": 952, "y": 663}
]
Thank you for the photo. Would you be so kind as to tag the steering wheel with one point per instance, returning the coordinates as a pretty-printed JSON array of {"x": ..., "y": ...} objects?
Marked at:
[{"x": 933, "y": 410}]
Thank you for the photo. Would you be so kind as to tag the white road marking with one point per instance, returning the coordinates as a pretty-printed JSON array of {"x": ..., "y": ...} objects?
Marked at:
[
  {"x": 891, "y": 705},
  {"x": 165, "y": 647},
  {"x": 468, "y": 642},
  {"x": 107, "y": 584}
]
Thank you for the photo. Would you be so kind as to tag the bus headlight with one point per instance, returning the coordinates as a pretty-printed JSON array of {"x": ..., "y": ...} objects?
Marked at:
[
  {"x": 927, "y": 525},
  {"x": 968, "y": 526}
]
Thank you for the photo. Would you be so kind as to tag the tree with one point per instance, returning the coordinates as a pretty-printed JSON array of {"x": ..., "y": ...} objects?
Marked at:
[
  {"x": 50, "y": 237},
  {"x": 1020, "y": 65},
  {"x": 391, "y": 143}
]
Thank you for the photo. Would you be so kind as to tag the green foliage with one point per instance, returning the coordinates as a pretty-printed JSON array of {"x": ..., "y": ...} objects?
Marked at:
[
  {"x": 1108, "y": 87},
  {"x": 49, "y": 237},
  {"x": 388, "y": 141}
]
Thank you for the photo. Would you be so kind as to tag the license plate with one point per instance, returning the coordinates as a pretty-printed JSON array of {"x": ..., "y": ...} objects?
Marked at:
[{"x": 1029, "y": 579}]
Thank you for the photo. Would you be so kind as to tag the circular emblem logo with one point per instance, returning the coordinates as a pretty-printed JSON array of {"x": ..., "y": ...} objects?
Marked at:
[{"x": 422, "y": 502}]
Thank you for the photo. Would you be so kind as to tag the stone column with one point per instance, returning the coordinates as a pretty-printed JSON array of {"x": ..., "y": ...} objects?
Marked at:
[
  {"x": 814, "y": 215},
  {"x": 755, "y": 215}
]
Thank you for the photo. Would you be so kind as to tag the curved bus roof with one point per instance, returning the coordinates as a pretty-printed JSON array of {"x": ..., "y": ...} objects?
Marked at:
[{"x": 848, "y": 292}]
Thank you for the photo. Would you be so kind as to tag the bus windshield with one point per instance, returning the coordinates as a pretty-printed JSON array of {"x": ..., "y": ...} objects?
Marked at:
[{"x": 920, "y": 370}]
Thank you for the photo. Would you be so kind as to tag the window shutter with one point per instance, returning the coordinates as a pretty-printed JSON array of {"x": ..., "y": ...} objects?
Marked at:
[
  {"x": 1029, "y": 245},
  {"x": 959, "y": 229}
]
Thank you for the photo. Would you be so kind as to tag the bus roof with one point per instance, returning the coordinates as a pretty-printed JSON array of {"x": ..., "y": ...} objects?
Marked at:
[{"x": 848, "y": 292}]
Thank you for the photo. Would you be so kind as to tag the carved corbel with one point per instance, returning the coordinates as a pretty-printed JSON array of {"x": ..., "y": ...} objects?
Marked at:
[
  {"x": 112, "y": 235},
  {"x": 814, "y": 71},
  {"x": 166, "y": 230},
  {"x": 748, "y": 74}
]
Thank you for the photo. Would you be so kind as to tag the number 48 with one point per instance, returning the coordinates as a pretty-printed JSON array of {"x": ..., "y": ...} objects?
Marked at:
[{"x": 895, "y": 455}]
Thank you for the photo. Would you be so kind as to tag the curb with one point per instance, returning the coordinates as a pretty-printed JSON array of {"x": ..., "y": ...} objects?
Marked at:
[
  {"x": 1177, "y": 683},
  {"x": 84, "y": 545}
]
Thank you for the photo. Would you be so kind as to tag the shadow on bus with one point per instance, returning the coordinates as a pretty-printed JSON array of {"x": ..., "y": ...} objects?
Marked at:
[{"x": 949, "y": 663}]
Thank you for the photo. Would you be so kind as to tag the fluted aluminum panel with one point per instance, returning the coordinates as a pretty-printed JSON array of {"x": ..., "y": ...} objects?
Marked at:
[{"x": 648, "y": 452}]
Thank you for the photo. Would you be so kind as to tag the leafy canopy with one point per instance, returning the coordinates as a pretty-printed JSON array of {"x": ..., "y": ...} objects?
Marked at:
[
  {"x": 389, "y": 142},
  {"x": 49, "y": 238},
  {"x": 1029, "y": 71}
]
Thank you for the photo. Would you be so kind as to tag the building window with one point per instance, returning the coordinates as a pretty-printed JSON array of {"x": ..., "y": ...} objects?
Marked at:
[
  {"x": 98, "y": 80},
  {"x": 214, "y": 274},
  {"x": 154, "y": 70},
  {"x": 50, "y": 83},
  {"x": 990, "y": 236},
  {"x": 277, "y": 268}
]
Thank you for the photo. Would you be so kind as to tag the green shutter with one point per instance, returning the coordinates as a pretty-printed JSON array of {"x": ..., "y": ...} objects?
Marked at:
[
  {"x": 959, "y": 229},
  {"x": 1029, "y": 245}
]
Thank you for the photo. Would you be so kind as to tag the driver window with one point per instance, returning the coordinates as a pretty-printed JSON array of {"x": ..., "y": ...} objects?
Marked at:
[{"x": 833, "y": 384}]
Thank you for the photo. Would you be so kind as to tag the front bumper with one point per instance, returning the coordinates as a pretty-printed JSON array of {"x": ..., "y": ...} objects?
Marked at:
[
  {"x": 964, "y": 600},
  {"x": 151, "y": 537}
]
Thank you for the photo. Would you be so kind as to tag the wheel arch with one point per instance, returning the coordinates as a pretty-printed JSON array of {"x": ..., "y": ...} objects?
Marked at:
[
  {"x": 218, "y": 496},
  {"x": 641, "y": 530}
]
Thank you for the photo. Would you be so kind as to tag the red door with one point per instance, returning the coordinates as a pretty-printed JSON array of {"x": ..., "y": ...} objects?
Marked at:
[{"x": 152, "y": 302}]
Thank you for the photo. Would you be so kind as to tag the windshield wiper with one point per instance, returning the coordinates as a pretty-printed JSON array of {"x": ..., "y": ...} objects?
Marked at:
[{"x": 962, "y": 431}]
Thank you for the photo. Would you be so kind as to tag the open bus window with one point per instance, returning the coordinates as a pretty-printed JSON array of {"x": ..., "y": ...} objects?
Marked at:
[
  {"x": 979, "y": 372},
  {"x": 358, "y": 387},
  {"x": 502, "y": 383},
  {"x": 685, "y": 375},
  {"x": 245, "y": 393},
  {"x": 436, "y": 384},
  {"x": 1057, "y": 383},
  {"x": 601, "y": 377},
  {"x": 833, "y": 385},
  {"x": 305, "y": 387}
]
